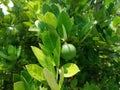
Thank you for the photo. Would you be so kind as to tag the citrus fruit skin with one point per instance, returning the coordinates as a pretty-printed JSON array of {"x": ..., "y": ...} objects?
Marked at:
[{"x": 68, "y": 51}]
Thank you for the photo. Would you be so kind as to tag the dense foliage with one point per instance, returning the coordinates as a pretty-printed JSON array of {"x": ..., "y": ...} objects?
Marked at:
[{"x": 33, "y": 33}]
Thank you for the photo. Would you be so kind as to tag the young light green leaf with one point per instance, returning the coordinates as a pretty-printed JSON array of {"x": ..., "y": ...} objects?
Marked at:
[
  {"x": 45, "y": 61},
  {"x": 19, "y": 85},
  {"x": 116, "y": 21},
  {"x": 39, "y": 55},
  {"x": 50, "y": 19},
  {"x": 49, "y": 76},
  {"x": 61, "y": 77},
  {"x": 70, "y": 69},
  {"x": 35, "y": 71}
]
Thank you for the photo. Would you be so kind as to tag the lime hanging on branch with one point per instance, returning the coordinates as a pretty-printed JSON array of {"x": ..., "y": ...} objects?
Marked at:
[{"x": 68, "y": 51}]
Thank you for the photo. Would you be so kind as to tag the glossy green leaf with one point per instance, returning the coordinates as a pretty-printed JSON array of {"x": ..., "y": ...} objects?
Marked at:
[
  {"x": 50, "y": 19},
  {"x": 49, "y": 39},
  {"x": 65, "y": 20},
  {"x": 70, "y": 69},
  {"x": 35, "y": 71},
  {"x": 49, "y": 76},
  {"x": 19, "y": 85}
]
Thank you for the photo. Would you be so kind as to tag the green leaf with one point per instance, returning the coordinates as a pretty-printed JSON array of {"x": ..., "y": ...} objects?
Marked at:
[
  {"x": 9, "y": 58},
  {"x": 70, "y": 69},
  {"x": 19, "y": 51},
  {"x": 55, "y": 9},
  {"x": 11, "y": 50},
  {"x": 43, "y": 88},
  {"x": 39, "y": 55},
  {"x": 35, "y": 71},
  {"x": 56, "y": 53},
  {"x": 45, "y": 8},
  {"x": 64, "y": 33},
  {"x": 50, "y": 19},
  {"x": 26, "y": 75},
  {"x": 116, "y": 21},
  {"x": 1, "y": 15},
  {"x": 61, "y": 77},
  {"x": 83, "y": 2},
  {"x": 45, "y": 60},
  {"x": 85, "y": 29},
  {"x": 49, "y": 39},
  {"x": 88, "y": 86},
  {"x": 16, "y": 77},
  {"x": 65, "y": 20},
  {"x": 108, "y": 2},
  {"x": 40, "y": 25},
  {"x": 19, "y": 85},
  {"x": 49, "y": 76},
  {"x": 74, "y": 82},
  {"x": 44, "y": 49}
]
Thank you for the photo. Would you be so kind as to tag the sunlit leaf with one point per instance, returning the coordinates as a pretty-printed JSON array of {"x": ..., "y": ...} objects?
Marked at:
[
  {"x": 19, "y": 85},
  {"x": 70, "y": 69},
  {"x": 50, "y": 19},
  {"x": 39, "y": 55},
  {"x": 35, "y": 71},
  {"x": 44, "y": 60},
  {"x": 116, "y": 21},
  {"x": 49, "y": 76},
  {"x": 61, "y": 77}
]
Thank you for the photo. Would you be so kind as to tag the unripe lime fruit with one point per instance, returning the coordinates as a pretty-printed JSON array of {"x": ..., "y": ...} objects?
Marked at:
[{"x": 68, "y": 51}]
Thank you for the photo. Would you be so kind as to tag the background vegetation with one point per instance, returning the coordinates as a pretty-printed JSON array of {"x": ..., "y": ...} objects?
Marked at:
[{"x": 28, "y": 27}]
